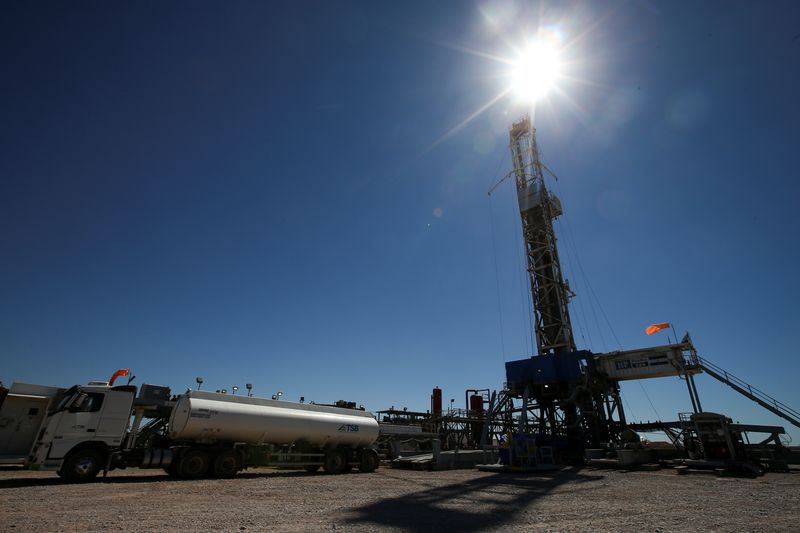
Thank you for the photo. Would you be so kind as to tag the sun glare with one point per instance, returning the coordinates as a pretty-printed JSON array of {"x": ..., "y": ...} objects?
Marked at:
[
  {"x": 542, "y": 66},
  {"x": 536, "y": 72}
]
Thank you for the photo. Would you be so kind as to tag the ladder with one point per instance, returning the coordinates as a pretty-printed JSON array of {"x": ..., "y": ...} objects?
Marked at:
[
  {"x": 692, "y": 440},
  {"x": 761, "y": 398}
]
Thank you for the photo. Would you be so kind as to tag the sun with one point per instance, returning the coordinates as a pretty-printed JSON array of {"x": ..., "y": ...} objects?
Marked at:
[{"x": 536, "y": 72}]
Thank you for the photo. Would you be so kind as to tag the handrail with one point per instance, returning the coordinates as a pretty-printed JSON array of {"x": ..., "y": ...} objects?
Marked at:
[{"x": 744, "y": 388}]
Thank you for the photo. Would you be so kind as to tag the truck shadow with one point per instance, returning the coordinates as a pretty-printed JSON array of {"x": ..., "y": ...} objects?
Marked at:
[
  {"x": 17, "y": 483},
  {"x": 484, "y": 503},
  {"x": 55, "y": 480}
]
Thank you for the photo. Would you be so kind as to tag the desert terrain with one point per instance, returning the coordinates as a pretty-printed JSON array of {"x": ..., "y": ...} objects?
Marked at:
[{"x": 402, "y": 500}]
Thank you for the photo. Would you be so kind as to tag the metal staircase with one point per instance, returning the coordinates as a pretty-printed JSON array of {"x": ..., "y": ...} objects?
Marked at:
[{"x": 761, "y": 398}]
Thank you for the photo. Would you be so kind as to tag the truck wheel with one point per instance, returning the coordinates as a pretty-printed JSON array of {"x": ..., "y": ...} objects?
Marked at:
[
  {"x": 311, "y": 468},
  {"x": 369, "y": 461},
  {"x": 193, "y": 464},
  {"x": 226, "y": 464},
  {"x": 81, "y": 466},
  {"x": 335, "y": 461}
]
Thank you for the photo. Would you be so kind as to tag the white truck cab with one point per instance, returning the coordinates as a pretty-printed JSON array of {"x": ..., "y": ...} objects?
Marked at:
[{"x": 80, "y": 432}]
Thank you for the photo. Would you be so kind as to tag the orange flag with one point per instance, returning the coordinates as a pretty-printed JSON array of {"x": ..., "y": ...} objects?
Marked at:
[
  {"x": 118, "y": 373},
  {"x": 656, "y": 327}
]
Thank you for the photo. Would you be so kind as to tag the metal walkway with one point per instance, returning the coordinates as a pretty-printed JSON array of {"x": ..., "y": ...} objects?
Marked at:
[{"x": 761, "y": 398}]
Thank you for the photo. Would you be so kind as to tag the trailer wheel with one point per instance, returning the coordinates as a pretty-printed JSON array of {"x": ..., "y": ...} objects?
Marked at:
[
  {"x": 226, "y": 464},
  {"x": 335, "y": 461},
  {"x": 193, "y": 464},
  {"x": 369, "y": 461},
  {"x": 81, "y": 466}
]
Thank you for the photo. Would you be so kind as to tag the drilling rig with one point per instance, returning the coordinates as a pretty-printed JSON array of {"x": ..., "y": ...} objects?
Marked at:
[
  {"x": 567, "y": 401},
  {"x": 563, "y": 401}
]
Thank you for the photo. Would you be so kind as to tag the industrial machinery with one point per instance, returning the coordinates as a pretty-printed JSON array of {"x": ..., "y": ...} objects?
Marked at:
[
  {"x": 568, "y": 400},
  {"x": 101, "y": 427},
  {"x": 454, "y": 428},
  {"x": 565, "y": 399}
]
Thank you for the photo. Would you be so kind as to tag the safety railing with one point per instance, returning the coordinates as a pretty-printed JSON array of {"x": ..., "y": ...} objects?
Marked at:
[{"x": 744, "y": 388}]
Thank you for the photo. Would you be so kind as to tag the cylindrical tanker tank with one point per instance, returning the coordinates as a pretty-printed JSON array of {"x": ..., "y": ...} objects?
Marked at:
[{"x": 209, "y": 417}]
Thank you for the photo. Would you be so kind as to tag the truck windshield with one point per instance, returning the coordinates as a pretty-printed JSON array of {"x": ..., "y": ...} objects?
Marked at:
[{"x": 67, "y": 399}]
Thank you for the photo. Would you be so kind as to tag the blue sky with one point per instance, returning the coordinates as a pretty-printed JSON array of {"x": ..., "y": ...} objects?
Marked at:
[{"x": 288, "y": 193}]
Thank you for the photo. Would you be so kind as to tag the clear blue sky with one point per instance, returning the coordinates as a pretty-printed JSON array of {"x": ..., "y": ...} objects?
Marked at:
[{"x": 277, "y": 193}]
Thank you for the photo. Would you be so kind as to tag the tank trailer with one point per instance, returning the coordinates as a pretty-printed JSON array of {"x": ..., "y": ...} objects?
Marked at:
[{"x": 101, "y": 427}]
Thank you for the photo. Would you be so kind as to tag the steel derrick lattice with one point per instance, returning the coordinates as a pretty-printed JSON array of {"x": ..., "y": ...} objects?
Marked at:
[
  {"x": 538, "y": 208},
  {"x": 563, "y": 397}
]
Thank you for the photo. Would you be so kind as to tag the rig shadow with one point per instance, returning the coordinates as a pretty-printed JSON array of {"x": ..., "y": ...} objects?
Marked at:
[{"x": 500, "y": 497}]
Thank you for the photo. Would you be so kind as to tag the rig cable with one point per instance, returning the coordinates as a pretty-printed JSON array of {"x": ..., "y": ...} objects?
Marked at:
[
  {"x": 571, "y": 243},
  {"x": 494, "y": 253},
  {"x": 497, "y": 282},
  {"x": 628, "y": 406},
  {"x": 570, "y": 240},
  {"x": 605, "y": 316},
  {"x": 525, "y": 297},
  {"x": 580, "y": 318},
  {"x": 639, "y": 381}
]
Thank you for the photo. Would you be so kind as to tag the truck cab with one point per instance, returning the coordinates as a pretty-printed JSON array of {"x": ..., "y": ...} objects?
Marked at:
[{"x": 83, "y": 429}]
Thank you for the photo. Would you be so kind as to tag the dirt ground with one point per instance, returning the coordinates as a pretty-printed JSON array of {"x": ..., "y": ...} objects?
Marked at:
[{"x": 402, "y": 500}]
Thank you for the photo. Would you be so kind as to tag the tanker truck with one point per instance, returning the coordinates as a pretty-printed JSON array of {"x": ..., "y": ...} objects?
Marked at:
[{"x": 101, "y": 427}]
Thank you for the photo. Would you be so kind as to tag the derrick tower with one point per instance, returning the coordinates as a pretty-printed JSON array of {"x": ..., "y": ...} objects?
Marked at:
[
  {"x": 564, "y": 399},
  {"x": 538, "y": 208}
]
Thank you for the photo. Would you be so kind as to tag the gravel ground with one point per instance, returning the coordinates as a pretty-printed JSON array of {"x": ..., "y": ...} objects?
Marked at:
[{"x": 402, "y": 500}]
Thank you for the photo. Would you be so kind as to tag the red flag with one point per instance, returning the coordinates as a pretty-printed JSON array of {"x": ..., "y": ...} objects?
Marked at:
[
  {"x": 118, "y": 373},
  {"x": 656, "y": 327}
]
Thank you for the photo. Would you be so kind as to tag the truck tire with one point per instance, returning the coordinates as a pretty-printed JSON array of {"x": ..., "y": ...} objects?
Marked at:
[
  {"x": 369, "y": 461},
  {"x": 335, "y": 461},
  {"x": 226, "y": 464},
  {"x": 82, "y": 465},
  {"x": 193, "y": 464}
]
